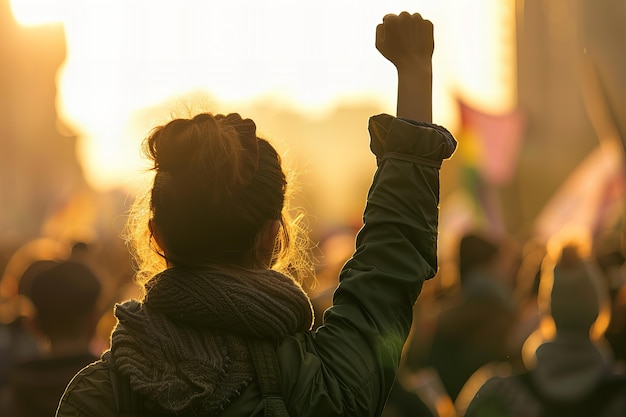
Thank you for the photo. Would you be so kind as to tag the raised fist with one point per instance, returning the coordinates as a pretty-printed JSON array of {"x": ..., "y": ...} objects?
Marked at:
[{"x": 405, "y": 39}]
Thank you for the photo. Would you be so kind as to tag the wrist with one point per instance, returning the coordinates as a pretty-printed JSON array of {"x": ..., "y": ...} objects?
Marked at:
[
  {"x": 422, "y": 72},
  {"x": 415, "y": 94},
  {"x": 415, "y": 67}
]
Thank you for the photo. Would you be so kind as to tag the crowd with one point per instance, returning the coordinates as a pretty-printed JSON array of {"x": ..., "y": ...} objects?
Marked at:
[
  {"x": 526, "y": 326},
  {"x": 222, "y": 323}
]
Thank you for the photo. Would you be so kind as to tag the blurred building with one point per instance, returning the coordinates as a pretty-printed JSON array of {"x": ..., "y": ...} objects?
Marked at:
[
  {"x": 39, "y": 171},
  {"x": 557, "y": 159},
  {"x": 572, "y": 89}
]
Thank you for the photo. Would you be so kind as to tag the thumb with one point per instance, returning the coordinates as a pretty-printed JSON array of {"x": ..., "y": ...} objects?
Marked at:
[{"x": 380, "y": 37}]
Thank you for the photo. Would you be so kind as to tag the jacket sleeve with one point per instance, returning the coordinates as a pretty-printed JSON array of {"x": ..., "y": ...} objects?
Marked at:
[{"x": 361, "y": 341}]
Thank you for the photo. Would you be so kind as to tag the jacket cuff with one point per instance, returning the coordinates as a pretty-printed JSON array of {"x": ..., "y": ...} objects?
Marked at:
[{"x": 423, "y": 143}]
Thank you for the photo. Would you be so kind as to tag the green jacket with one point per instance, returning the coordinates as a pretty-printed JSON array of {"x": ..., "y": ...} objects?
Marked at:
[{"x": 347, "y": 366}]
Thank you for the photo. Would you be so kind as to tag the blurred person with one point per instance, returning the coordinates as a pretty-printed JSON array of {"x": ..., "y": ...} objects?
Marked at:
[
  {"x": 404, "y": 402},
  {"x": 487, "y": 266},
  {"x": 616, "y": 332},
  {"x": 64, "y": 297},
  {"x": 610, "y": 255},
  {"x": 96, "y": 254},
  {"x": 221, "y": 329},
  {"x": 572, "y": 371},
  {"x": 418, "y": 389},
  {"x": 17, "y": 343},
  {"x": 473, "y": 325},
  {"x": 418, "y": 393},
  {"x": 526, "y": 298}
]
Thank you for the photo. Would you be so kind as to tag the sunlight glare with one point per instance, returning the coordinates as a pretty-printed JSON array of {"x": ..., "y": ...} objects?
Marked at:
[
  {"x": 484, "y": 56},
  {"x": 37, "y": 12},
  {"x": 126, "y": 58}
]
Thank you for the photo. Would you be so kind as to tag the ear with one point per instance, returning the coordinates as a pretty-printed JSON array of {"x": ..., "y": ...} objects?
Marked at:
[{"x": 268, "y": 237}]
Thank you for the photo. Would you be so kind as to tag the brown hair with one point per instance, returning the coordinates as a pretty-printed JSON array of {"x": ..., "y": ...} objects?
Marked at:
[{"x": 216, "y": 186}]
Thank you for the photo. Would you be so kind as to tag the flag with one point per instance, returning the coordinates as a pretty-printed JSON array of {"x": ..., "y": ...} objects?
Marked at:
[
  {"x": 489, "y": 148},
  {"x": 498, "y": 140},
  {"x": 590, "y": 198}
]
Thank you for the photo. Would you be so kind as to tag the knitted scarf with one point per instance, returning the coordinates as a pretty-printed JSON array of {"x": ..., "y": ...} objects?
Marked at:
[{"x": 184, "y": 347}]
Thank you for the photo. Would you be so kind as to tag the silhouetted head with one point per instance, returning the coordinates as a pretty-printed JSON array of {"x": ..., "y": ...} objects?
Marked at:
[
  {"x": 574, "y": 300},
  {"x": 65, "y": 296},
  {"x": 218, "y": 197},
  {"x": 573, "y": 292},
  {"x": 476, "y": 252}
]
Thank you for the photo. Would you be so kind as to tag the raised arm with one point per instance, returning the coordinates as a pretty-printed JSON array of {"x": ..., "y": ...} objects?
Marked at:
[
  {"x": 407, "y": 41},
  {"x": 360, "y": 344}
]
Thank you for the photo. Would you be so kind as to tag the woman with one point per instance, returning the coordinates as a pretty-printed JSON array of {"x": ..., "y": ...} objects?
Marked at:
[{"x": 203, "y": 339}]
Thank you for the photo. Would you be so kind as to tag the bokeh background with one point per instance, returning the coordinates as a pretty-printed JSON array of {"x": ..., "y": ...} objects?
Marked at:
[{"x": 533, "y": 89}]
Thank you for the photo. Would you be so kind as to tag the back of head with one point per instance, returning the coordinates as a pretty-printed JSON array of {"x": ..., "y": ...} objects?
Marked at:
[
  {"x": 574, "y": 296},
  {"x": 476, "y": 252},
  {"x": 480, "y": 273},
  {"x": 32, "y": 272},
  {"x": 65, "y": 296},
  {"x": 216, "y": 185}
]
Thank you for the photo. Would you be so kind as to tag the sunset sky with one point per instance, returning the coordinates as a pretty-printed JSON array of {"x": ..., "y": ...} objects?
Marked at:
[{"x": 130, "y": 64}]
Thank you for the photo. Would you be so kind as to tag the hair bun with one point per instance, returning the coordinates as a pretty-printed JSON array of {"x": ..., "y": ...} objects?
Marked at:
[
  {"x": 246, "y": 130},
  {"x": 174, "y": 146},
  {"x": 218, "y": 153}
]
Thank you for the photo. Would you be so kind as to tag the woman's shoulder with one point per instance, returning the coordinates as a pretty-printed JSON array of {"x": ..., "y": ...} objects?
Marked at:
[{"x": 89, "y": 393}]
